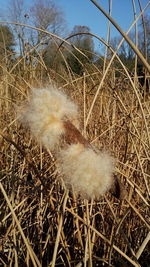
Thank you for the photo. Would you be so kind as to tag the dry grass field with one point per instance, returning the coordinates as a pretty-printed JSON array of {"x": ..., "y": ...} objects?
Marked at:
[{"x": 42, "y": 223}]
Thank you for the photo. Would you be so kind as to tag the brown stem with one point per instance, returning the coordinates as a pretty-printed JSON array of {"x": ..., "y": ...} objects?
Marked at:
[{"x": 73, "y": 135}]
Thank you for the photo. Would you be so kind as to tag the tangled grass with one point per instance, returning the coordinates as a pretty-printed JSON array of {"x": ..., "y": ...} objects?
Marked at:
[{"x": 42, "y": 222}]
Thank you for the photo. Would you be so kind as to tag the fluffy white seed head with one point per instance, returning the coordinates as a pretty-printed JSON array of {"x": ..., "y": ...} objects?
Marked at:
[
  {"x": 44, "y": 115},
  {"x": 89, "y": 173}
]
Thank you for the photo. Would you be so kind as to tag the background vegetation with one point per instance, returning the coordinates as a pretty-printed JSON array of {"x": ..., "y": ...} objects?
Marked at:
[{"x": 41, "y": 223}]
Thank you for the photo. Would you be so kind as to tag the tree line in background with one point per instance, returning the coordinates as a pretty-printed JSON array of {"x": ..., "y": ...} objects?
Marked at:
[{"x": 21, "y": 41}]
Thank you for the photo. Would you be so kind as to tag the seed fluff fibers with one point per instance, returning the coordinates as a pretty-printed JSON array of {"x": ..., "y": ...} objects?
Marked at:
[
  {"x": 89, "y": 173},
  {"x": 44, "y": 115}
]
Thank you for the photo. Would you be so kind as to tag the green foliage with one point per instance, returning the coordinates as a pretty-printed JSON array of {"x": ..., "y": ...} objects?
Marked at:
[
  {"x": 6, "y": 41},
  {"x": 144, "y": 38},
  {"x": 125, "y": 52},
  {"x": 84, "y": 42},
  {"x": 52, "y": 56}
]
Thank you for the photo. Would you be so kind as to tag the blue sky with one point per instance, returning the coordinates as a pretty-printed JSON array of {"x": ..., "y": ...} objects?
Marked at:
[{"x": 84, "y": 12}]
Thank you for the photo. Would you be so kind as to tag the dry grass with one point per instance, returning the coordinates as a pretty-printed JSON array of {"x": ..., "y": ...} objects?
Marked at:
[{"x": 44, "y": 224}]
